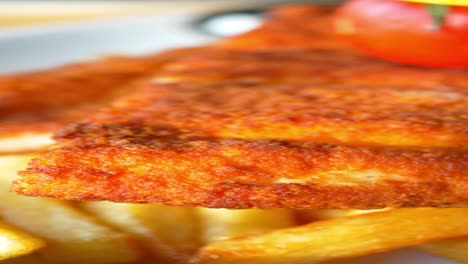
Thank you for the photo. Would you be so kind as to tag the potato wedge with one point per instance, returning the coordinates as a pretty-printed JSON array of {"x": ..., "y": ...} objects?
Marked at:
[
  {"x": 454, "y": 249},
  {"x": 14, "y": 243},
  {"x": 170, "y": 233},
  {"x": 342, "y": 237},
  {"x": 72, "y": 236},
  {"x": 222, "y": 224}
]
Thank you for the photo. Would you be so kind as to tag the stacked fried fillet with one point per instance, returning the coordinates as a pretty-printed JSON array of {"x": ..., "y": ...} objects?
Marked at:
[
  {"x": 281, "y": 117},
  {"x": 34, "y": 105}
]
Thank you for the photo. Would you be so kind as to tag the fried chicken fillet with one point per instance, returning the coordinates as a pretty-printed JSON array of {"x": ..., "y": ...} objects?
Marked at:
[
  {"x": 33, "y": 105},
  {"x": 308, "y": 124}
]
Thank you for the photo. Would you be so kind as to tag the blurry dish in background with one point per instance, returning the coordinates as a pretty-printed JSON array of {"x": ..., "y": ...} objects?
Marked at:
[
  {"x": 230, "y": 23},
  {"x": 40, "y": 47}
]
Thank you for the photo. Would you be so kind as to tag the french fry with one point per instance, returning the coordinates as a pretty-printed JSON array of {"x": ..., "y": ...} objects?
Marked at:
[
  {"x": 19, "y": 143},
  {"x": 455, "y": 249},
  {"x": 170, "y": 233},
  {"x": 399, "y": 256},
  {"x": 342, "y": 237},
  {"x": 222, "y": 224},
  {"x": 14, "y": 243},
  {"x": 310, "y": 215},
  {"x": 71, "y": 235},
  {"x": 27, "y": 259}
]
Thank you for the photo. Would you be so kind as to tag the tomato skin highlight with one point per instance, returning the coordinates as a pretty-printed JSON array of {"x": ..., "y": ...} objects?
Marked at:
[{"x": 404, "y": 32}]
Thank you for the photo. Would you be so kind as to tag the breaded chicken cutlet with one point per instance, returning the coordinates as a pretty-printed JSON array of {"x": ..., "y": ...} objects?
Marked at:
[
  {"x": 296, "y": 127},
  {"x": 34, "y": 105}
]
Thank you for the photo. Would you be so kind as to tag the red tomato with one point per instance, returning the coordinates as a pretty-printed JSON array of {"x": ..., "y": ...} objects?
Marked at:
[{"x": 404, "y": 32}]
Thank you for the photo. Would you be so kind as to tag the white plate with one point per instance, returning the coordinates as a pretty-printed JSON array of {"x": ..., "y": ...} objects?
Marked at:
[{"x": 34, "y": 48}]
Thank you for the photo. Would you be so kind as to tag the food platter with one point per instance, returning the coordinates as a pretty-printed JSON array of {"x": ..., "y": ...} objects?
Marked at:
[{"x": 40, "y": 47}]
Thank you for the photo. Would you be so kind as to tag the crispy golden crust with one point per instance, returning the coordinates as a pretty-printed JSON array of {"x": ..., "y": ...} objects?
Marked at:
[
  {"x": 302, "y": 127},
  {"x": 239, "y": 146},
  {"x": 243, "y": 174},
  {"x": 305, "y": 66},
  {"x": 356, "y": 116},
  {"x": 47, "y": 100}
]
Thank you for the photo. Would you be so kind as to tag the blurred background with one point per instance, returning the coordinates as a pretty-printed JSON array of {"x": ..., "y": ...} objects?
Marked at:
[
  {"x": 43, "y": 34},
  {"x": 16, "y": 13}
]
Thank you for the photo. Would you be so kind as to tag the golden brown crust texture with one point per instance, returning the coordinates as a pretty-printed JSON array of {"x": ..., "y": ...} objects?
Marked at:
[
  {"x": 239, "y": 146},
  {"x": 47, "y": 100},
  {"x": 294, "y": 127},
  {"x": 243, "y": 174}
]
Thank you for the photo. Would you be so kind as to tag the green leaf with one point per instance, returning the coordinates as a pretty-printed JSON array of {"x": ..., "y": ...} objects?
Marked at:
[{"x": 438, "y": 13}]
